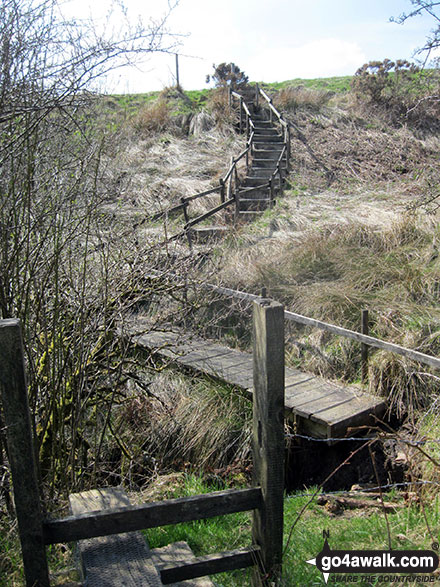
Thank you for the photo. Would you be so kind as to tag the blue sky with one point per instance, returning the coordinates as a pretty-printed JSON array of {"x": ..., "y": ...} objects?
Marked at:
[{"x": 272, "y": 40}]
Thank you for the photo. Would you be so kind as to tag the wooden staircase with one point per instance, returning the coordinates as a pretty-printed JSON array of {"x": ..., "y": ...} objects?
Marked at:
[
  {"x": 266, "y": 158},
  {"x": 269, "y": 146}
]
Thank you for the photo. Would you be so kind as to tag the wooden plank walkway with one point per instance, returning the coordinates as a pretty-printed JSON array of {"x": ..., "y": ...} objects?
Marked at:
[{"x": 320, "y": 408}]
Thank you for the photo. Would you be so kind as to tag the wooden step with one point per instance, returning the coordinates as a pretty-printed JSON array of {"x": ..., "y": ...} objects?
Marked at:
[
  {"x": 175, "y": 553},
  {"x": 270, "y": 149},
  {"x": 262, "y": 124},
  {"x": 263, "y": 163},
  {"x": 262, "y": 172},
  {"x": 251, "y": 192},
  {"x": 255, "y": 182},
  {"x": 267, "y": 136},
  {"x": 118, "y": 559},
  {"x": 259, "y": 181},
  {"x": 246, "y": 205},
  {"x": 205, "y": 234}
]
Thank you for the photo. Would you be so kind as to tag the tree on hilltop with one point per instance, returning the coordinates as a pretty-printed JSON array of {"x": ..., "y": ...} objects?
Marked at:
[{"x": 228, "y": 75}]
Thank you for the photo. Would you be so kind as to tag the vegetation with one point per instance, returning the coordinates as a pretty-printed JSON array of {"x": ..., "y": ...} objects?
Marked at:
[
  {"x": 228, "y": 75},
  {"x": 303, "y": 539},
  {"x": 81, "y": 263}
]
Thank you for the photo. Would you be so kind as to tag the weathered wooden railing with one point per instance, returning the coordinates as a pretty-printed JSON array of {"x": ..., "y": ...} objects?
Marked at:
[
  {"x": 282, "y": 165},
  {"x": 361, "y": 337},
  {"x": 265, "y": 498}
]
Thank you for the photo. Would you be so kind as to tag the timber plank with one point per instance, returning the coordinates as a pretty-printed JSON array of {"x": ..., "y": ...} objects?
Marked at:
[{"x": 174, "y": 554}]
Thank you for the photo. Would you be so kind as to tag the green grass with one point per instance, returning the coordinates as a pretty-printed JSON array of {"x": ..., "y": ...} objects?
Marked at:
[
  {"x": 131, "y": 103},
  {"x": 331, "y": 84},
  {"x": 352, "y": 530}
]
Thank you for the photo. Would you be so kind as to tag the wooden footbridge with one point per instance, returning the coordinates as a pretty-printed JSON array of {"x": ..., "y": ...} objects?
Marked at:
[{"x": 317, "y": 407}]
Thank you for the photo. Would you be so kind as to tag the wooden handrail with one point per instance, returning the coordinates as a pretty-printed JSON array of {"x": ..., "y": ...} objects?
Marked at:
[
  {"x": 201, "y": 194},
  {"x": 272, "y": 107},
  {"x": 206, "y": 215},
  {"x": 337, "y": 330}
]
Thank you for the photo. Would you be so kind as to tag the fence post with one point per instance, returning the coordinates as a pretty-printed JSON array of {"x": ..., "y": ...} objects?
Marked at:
[
  {"x": 21, "y": 454},
  {"x": 186, "y": 216},
  {"x": 222, "y": 190},
  {"x": 268, "y": 436},
  {"x": 364, "y": 347},
  {"x": 272, "y": 194}
]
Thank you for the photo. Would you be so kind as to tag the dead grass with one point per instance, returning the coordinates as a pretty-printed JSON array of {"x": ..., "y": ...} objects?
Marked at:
[
  {"x": 344, "y": 145},
  {"x": 300, "y": 97},
  {"x": 153, "y": 118},
  {"x": 332, "y": 274},
  {"x": 183, "y": 424}
]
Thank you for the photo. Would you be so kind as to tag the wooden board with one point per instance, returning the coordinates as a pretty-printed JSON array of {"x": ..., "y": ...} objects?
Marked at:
[
  {"x": 117, "y": 560},
  {"x": 322, "y": 408},
  {"x": 176, "y": 553}
]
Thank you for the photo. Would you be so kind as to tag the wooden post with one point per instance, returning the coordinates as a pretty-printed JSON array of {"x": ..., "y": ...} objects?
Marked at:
[
  {"x": 272, "y": 190},
  {"x": 177, "y": 72},
  {"x": 236, "y": 206},
  {"x": 21, "y": 454},
  {"x": 257, "y": 96},
  {"x": 241, "y": 114},
  {"x": 222, "y": 190},
  {"x": 364, "y": 347},
  {"x": 268, "y": 436},
  {"x": 187, "y": 230}
]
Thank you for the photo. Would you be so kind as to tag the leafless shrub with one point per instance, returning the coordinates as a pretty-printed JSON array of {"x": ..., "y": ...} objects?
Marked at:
[{"x": 66, "y": 267}]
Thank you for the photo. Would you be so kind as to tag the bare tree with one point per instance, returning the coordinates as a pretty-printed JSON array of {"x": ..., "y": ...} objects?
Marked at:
[
  {"x": 421, "y": 7},
  {"x": 65, "y": 270}
]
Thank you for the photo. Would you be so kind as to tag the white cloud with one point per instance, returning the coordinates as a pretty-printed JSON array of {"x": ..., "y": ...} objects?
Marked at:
[{"x": 320, "y": 58}]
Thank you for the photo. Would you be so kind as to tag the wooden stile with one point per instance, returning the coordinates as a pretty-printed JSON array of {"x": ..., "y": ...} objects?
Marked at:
[{"x": 265, "y": 498}]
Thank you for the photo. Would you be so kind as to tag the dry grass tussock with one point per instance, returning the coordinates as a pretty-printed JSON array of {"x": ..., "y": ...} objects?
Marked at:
[
  {"x": 300, "y": 97},
  {"x": 153, "y": 118},
  {"x": 179, "y": 424},
  {"x": 155, "y": 172},
  {"x": 333, "y": 273}
]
